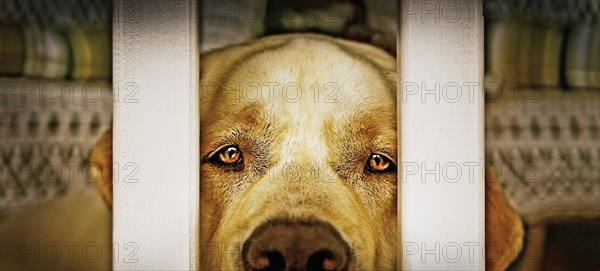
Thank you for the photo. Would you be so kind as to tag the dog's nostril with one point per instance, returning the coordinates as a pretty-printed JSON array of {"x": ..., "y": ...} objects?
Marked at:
[
  {"x": 285, "y": 245},
  {"x": 325, "y": 260},
  {"x": 267, "y": 261}
]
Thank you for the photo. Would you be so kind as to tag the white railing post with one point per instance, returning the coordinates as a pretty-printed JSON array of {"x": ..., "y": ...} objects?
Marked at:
[
  {"x": 441, "y": 111},
  {"x": 156, "y": 137}
]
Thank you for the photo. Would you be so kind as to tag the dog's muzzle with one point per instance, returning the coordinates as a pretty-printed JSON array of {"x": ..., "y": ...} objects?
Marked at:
[{"x": 295, "y": 245}]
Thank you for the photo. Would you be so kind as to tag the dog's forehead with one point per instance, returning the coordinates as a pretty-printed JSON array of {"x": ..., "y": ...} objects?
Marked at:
[{"x": 306, "y": 75}]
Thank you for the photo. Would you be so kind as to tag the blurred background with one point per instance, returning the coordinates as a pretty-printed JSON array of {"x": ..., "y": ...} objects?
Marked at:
[
  {"x": 542, "y": 116},
  {"x": 542, "y": 121},
  {"x": 56, "y": 100}
]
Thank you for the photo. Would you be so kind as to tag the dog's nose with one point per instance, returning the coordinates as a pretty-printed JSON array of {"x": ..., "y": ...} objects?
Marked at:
[{"x": 285, "y": 245}]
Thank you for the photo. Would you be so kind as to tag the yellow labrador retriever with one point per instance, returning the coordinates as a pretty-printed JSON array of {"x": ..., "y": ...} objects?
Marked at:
[{"x": 299, "y": 159}]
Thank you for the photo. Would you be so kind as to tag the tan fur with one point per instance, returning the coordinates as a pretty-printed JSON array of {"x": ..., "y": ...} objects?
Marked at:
[
  {"x": 304, "y": 158},
  {"x": 503, "y": 228},
  {"x": 100, "y": 168}
]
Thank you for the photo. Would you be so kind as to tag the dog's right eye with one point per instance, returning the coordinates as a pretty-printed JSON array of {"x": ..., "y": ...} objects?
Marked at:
[
  {"x": 379, "y": 163},
  {"x": 228, "y": 155}
]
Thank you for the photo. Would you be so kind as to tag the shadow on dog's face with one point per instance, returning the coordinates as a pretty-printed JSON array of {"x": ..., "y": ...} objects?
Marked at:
[{"x": 299, "y": 151}]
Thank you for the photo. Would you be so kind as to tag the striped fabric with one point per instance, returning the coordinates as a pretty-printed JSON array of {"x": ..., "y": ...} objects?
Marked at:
[
  {"x": 46, "y": 39},
  {"x": 582, "y": 57},
  {"x": 543, "y": 42},
  {"x": 91, "y": 56},
  {"x": 46, "y": 52},
  {"x": 11, "y": 49}
]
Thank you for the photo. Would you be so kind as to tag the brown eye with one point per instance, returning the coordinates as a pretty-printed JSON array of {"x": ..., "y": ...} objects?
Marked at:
[
  {"x": 379, "y": 163},
  {"x": 229, "y": 155}
]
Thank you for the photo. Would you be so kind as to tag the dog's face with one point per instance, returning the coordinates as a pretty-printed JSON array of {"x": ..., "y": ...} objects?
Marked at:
[{"x": 299, "y": 153}]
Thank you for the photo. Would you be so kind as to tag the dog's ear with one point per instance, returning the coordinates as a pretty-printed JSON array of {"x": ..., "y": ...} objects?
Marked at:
[
  {"x": 503, "y": 228},
  {"x": 100, "y": 169}
]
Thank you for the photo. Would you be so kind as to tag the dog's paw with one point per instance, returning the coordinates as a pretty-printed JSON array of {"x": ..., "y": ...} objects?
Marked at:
[
  {"x": 503, "y": 228},
  {"x": 101, "y": 166}
]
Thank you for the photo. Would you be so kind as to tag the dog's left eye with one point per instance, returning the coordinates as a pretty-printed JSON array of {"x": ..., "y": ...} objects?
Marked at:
[
  {"x": 379, "y": 163},
  {"x": 228, "y": 155}
]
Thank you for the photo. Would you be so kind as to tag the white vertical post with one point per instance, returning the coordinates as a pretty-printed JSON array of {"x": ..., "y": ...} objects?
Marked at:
[
  {"x": 441, "y": 104},
  {"x": 156, "y": 137}
]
